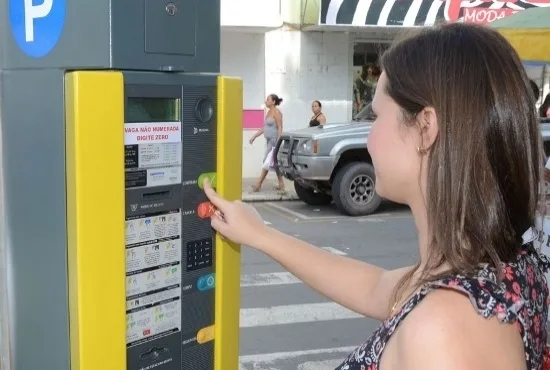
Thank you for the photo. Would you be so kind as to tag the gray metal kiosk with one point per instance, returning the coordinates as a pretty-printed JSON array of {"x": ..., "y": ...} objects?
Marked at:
[{"x": 110, "y": 114}]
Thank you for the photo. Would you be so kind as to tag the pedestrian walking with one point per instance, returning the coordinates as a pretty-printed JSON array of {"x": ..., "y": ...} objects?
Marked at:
[{"x": 272, "y": 130}]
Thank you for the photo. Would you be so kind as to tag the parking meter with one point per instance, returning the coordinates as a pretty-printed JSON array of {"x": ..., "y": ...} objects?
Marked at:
[{"x": 112, "y": 114}]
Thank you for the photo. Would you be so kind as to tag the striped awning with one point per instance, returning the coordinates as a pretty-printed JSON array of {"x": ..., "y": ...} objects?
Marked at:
[{"x": 415, "y": 13}]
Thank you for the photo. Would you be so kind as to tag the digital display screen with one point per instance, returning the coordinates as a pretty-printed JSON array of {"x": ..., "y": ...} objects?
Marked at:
[{"x": 153, "y": 110}]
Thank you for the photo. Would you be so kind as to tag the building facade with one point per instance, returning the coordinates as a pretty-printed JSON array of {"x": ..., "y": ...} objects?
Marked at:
[{"x": 305, "y": 50}]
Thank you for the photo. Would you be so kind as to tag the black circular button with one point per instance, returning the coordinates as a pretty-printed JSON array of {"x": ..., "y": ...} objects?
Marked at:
[{"x": 204, "y": 109}]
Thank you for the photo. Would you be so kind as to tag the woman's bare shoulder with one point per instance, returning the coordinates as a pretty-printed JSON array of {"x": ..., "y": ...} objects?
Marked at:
[{"x": 446, "y": 332}]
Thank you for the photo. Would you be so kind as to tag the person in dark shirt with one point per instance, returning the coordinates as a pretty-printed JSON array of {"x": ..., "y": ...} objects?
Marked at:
[{"x": 318, "y": 118}]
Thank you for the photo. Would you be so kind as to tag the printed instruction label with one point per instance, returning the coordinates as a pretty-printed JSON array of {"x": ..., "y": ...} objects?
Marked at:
[
  {"x": 153, "y": 154},
  {"x": 153, "y": 322},
  {"x": 152, "y": 133},
  {"x": 153, "y": 276}
]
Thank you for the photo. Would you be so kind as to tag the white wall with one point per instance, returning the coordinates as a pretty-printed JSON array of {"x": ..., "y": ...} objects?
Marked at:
[
  {"x": 250, "y": 13},
  {"x": 243, "y": 55}
]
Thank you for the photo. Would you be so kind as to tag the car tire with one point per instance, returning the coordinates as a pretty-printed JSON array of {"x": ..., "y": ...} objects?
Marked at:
[
  {"x": 309, "y": 196},
  {"x": 353, "y": 189}
]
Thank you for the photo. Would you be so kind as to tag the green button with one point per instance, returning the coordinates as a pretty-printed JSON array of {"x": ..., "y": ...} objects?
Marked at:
[{"x": 210, "y": 176}]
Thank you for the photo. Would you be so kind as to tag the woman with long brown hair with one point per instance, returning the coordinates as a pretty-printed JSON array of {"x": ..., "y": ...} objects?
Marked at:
[{"x": 453, "y": 141}]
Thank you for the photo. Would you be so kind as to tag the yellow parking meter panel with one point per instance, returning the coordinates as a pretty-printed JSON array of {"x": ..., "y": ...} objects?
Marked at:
[
  {"x": 177, "y": 283},
  {"x": 176, "y": 301},
  {"x": 95, "y": 211},
  {"x": 229, "y": 185}
]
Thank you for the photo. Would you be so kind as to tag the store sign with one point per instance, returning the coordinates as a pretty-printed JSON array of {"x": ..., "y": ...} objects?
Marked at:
[
  {"x": 409, "y": 13},
  {"x": 483, "y": 16},
  {"x": 486, "y": 11}
]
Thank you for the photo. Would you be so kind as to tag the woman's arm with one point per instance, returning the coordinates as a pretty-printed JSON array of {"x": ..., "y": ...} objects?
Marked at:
[
  {"x": 356, "y": 285},
  {"x": 278, "y": 116},
  {"x": 322, "y": 119},
  {"x": 359, "y": 286},
  {"x": 258, "y": 133}
]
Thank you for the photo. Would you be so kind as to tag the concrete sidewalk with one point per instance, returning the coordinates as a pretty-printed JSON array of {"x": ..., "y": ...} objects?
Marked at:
[{"x": 268, "y": 191}]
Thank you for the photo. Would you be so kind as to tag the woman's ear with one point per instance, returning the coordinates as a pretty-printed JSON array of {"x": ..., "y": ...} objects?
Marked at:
[{"x": 429, "y": 127}]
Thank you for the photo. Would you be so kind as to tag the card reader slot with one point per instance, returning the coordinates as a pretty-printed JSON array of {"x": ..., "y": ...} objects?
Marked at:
[{"x": 156, "y": 195}]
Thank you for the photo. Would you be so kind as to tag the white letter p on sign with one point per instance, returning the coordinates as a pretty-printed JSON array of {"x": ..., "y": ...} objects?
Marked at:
[{"x": 33, "y": 12}]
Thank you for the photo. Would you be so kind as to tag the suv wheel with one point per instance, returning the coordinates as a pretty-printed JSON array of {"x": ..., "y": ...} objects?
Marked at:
[
  {"x": 353, "y": 189},
  {"x": 310, "y": 196}
]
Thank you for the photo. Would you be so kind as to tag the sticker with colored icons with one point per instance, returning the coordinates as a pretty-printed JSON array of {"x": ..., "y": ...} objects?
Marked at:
[{"x": 211, "y": 176}]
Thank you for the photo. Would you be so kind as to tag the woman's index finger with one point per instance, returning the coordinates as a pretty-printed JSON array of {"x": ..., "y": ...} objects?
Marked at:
[{"x": 214, "y": 197}]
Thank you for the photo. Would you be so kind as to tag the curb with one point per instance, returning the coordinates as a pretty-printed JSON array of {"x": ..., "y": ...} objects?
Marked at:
[{"x": 268, "y": 197}]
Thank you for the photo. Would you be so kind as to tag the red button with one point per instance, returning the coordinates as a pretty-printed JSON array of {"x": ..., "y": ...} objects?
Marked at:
[{"x": 206, "y": 210}]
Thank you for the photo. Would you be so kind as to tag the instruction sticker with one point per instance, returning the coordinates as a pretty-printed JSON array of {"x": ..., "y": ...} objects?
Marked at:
[
  {"x": 153, "y": 276},
  {"x": 153, "y": 279},
  {"x": 152, "y": 133},
  {"x": 150, "y": 254},
  {"x": 153, "y": 322},
  {"x": 149, "y": 228},
  {"x": 135, "y": 303},
  {"x": 153, "y": 154}
]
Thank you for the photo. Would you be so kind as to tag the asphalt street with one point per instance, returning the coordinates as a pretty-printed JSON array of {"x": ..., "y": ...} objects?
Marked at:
[{"x": 287, "y": 326}]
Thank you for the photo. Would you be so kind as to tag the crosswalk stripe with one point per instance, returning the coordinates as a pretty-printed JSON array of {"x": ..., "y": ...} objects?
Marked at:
[
  {"x": 268, "y": 317},
  {"x": 319, "y": 365},
  {"x": 278, "y": 278},
  {"x": 269, "y": 358},
  {"x": 271, "y": 278},
  {"x": 293, "y": 314}
]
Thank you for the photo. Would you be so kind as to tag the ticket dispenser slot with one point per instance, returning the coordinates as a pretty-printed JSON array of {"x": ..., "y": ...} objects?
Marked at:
[{"x": 157, "y": 195}]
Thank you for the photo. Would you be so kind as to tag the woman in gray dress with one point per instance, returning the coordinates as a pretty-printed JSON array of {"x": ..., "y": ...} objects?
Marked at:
[{"x": 273, "y": 127}]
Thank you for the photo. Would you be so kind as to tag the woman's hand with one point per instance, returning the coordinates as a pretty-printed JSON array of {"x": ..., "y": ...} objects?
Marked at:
[
  {"x": 251, "y": 141},
  {"x": 239, "y": 222}
]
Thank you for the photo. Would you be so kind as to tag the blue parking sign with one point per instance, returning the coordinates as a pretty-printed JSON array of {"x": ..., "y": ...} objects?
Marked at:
[{"x": 37, "y": 25}]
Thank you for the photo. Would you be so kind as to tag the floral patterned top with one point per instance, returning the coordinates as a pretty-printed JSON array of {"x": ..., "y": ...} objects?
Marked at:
[{"x": 520, "y": 297}]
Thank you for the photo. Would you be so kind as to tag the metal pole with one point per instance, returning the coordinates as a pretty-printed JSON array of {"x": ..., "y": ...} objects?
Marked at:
[{"x": 4, "y": 239}]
